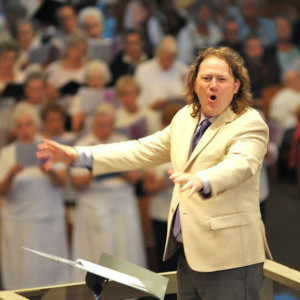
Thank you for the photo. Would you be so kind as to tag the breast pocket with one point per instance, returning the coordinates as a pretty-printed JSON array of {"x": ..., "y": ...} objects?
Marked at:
[{"x": 227, "y": 221}]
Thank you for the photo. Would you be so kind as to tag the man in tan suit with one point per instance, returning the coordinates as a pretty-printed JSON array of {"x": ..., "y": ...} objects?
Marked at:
[{"x": 214, "y": 219}]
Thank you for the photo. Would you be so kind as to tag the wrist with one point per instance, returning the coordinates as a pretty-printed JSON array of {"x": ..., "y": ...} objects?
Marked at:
[{"x": 73, "y": 155}]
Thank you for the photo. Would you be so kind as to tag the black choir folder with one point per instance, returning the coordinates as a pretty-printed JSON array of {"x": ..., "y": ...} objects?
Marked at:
[{"x": 118, "y": 270}]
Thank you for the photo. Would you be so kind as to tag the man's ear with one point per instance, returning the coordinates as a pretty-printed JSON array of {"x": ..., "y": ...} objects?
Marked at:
[{"x": 237, "y": 85}]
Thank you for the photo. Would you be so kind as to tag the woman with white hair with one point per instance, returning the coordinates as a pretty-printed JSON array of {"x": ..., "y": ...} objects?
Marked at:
[
  {"x": 107, "y": 217},
  {"x": 91, "y": 20},
  {"x": 32, "y": 211},
  {"x": 84, "y": 103}
]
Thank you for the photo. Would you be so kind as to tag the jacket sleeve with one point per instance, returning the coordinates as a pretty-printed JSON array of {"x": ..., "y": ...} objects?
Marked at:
[
  {"x": 243, "y": 158},
  {"x": 144, "y": 153}
]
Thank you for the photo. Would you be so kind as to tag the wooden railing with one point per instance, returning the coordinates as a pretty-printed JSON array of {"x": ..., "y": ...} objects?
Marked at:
[{"x": 273, "y": 272}]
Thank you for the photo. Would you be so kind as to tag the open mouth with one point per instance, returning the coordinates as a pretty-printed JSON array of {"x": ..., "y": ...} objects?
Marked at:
[{"x": 213, "y": 97}]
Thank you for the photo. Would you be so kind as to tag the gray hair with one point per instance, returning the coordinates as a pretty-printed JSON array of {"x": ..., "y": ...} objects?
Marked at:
[
  {"x": 167, "y": 45},
  {"x": 24, "y": 109},
  {"x": 75, "y": 38},
  {"x": 105, "y": 109},
  {"x": 98, "y": 66},
  {"x": 89, "y": 12}
]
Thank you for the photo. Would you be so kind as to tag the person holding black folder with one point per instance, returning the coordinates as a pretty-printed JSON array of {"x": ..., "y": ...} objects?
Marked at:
[{"x": 67, "y": 75}]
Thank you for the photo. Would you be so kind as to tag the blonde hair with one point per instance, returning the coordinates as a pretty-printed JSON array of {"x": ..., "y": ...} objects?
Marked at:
[
  {"x": 105, "y": 109},
  {"x": 127, "y": 80},
  {"x": 89, "y": 12},
  {"x": 95, "y": 66}
]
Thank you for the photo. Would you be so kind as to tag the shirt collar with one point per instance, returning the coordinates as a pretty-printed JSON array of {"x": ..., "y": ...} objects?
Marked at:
[{"x": 202, "y": 118}]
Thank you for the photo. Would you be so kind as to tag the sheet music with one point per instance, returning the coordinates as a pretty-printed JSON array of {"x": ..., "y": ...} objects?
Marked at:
[
  {"x": 25, "y": 154},
  {"x": 99, "y": 49},
  {"x": 95, "y": 269},
  {"x": 90, "y": 99},
  {"x": 109, "y": 273},
  {"x": 38, "y": 54}
]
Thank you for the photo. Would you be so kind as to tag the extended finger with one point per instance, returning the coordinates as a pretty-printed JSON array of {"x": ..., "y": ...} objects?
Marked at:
[
  {"x": 174, "y": 177},
  {"x": 187, "y": 186},
  {"x": 170, "y": 172},
  {"x": 192, "y": 191},
  {"x": 43, "y": 154},
  {"x": 181, "y": 179},
  {"x": 42, "y": 146}
]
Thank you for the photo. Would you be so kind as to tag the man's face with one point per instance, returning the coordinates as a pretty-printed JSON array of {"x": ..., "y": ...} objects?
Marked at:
[
  {"x": 283, "y": 29},
  {"x": 68, "y": 19},
  {"x": 54, "y": 123},
  {"x": 35, "y": 92},
  {"x": 254, "y": 48},
  {"x": 166, "y": 60},
  {"x": 232, "y": 32},
  {"x": 25, "y": 34},
  {"x": 215, "y": 86},
  {"x": 133, "y": 45}
]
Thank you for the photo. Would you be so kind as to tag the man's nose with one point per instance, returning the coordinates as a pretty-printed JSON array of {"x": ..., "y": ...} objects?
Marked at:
[{"x": 213, "y": 84}]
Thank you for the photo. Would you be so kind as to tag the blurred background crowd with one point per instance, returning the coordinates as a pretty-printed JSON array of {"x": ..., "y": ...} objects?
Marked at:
[{"x": 91, "y": 72}]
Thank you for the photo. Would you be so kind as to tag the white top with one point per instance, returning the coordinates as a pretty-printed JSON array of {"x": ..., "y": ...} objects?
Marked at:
[
  {"x": 283, "y": 108},
  {"x": 157, "y": 83},
  {"x": 58, "y": 76},
  {"x": 33, "y": 196},
  {"x": 124, "y": 119},
  {"x": 190, "y": 41},
  {"x": 89, "y": 198}
]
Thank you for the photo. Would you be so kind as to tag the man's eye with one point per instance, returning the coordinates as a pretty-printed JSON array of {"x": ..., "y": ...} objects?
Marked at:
[
  {"x": 222, "y": 79},
  {"x": 206, "y": 78}
]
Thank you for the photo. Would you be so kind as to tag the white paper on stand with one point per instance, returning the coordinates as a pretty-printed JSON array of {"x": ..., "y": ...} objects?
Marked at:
[{"x": 96, "y": 269}]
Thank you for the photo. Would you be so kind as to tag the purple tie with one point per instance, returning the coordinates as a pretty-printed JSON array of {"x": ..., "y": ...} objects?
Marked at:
[{"x": 197, "y": 136}]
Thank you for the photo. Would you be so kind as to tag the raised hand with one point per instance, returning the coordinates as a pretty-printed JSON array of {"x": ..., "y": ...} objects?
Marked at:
[{"x": 50, "y": 152}]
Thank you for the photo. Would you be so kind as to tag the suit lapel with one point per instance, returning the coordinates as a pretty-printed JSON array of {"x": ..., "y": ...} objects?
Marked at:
[{"x": 226, "y": 117}]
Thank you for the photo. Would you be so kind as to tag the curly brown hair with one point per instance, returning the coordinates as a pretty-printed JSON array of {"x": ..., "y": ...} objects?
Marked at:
[{"x": 242, "y": 99}]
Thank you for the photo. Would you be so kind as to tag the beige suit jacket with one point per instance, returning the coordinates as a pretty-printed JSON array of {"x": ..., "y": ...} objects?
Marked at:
[{"x": 225, "y": 230}]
